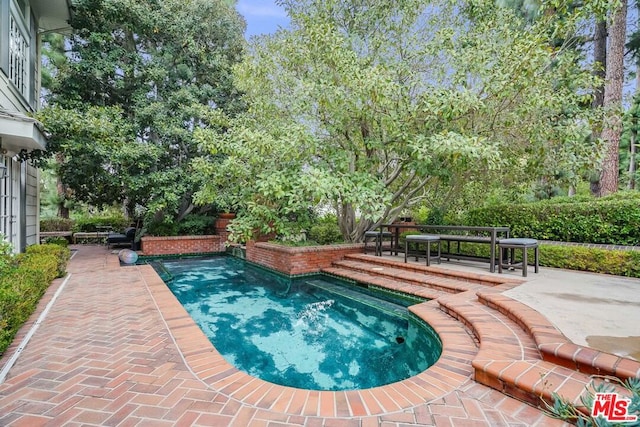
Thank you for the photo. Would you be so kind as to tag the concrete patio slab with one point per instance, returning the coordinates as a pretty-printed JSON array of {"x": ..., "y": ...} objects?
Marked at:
[{"x": 594, "y": 310}]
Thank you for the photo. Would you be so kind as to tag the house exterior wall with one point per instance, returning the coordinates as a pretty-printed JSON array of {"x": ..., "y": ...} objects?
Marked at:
[
  {"x": 19, "y": 97},
  {"x": 9, "y": 99},
  {"x": 32, "y": 205}
]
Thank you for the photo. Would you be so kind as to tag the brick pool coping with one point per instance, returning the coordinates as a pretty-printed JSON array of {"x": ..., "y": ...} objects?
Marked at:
[
  {"x": 461, "y": 359},
  {"x": 450, "y": 371}
]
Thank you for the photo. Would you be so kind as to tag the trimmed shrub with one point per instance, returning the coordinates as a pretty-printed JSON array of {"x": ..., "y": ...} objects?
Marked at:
[
  {"x": 89, "y": 224},
  {"x": 595, "y": 260},
  {"x": 23, "y": 283},
  {"x": 609, "y": 220},
  {"x": 325, "y": 233},
  {"x": 61, "y": 253},
  {"x": 56, "y": 224},
  {"x": 620, "y": 263},
  {"x": 60, "y": 241},
  {"x": 161, "y": 228},
  {"x": 197, "y": 225}
]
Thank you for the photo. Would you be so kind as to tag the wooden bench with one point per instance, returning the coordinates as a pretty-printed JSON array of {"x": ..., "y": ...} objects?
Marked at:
[
  {"x": 90, "y": 236},
  {"x": 378, "y": 239},
  {"x": 523, "y": 245},
  {"x": 457, "y": 234},
  {"x": 427, "y": 239}
]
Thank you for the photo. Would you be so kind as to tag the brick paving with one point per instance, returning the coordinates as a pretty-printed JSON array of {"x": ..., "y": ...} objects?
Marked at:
[{"x": 117, "y": 349}]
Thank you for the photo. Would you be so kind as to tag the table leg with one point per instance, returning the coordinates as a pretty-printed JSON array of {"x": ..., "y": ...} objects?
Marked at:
[{"x": 492, "y": 263}]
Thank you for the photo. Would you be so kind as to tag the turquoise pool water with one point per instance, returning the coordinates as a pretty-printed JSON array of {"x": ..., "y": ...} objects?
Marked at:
[{"x": 315, "y": 333}]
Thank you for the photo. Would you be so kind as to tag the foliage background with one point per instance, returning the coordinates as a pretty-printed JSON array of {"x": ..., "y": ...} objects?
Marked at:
[
  {"x": 125, "y": 93},
  {"x": 374, "y": 107}
]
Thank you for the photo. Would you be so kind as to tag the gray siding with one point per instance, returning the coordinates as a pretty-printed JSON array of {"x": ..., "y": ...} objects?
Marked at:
[{"x": 32, "y": 206}]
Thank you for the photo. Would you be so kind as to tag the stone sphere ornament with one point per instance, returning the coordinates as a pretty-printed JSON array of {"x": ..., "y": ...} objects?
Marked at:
[{"x": 128, "y": 256}]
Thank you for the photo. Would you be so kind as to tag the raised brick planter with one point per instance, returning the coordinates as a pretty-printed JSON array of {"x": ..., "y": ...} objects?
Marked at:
[
  {"x": 298, "y": 260},
  {"x": 176, "y": 245}
]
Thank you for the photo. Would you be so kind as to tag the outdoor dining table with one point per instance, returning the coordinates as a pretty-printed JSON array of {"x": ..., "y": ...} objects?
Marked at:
[{"x": 448, "y": 232}]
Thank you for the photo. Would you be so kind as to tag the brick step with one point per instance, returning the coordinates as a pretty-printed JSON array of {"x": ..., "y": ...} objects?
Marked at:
[
  {"x": 413, "y": 277},
  {"x": 392, "y": 284},
  {"x": 508, "y": 359},
  {"x": 434, "y": 270},
  {"x": 554, "y": 347},
  {"x": 520, "y": 354}
]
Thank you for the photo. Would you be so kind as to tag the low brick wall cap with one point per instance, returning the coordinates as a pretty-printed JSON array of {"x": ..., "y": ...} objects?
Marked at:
[
  {"x": 154, "y": 238},
  {"x": 302, "y": 249}
]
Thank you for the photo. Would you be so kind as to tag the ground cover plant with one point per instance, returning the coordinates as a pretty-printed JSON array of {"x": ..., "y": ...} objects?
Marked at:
[
  {"x": 23, "y": 280},
  {"x": 581, "y": 414}
]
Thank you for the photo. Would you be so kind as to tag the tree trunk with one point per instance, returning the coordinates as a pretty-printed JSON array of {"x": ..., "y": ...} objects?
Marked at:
[
  {"x": 632, "y": 155},
  {"x": 61, "y": 189},
  {"x": 613, "y": 101},
  {"x": 634, "y": 132},
  {"x": 600, "y": 61}
]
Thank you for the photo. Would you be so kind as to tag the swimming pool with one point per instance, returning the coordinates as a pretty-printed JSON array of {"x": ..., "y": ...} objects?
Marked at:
[{"x": 315, "y": 333}]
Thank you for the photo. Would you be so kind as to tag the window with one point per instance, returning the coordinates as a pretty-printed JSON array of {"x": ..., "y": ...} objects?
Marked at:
[{"x": 18, "y": 57}]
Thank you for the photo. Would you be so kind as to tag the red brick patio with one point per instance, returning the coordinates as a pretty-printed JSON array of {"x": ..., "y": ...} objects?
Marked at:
[{"x": 117, "y": 348}]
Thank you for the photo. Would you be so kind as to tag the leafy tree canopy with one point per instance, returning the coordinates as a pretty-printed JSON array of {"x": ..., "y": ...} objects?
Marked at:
[
  {"x": 139, "y": 77},
  {"x": 371, "y": 107}
]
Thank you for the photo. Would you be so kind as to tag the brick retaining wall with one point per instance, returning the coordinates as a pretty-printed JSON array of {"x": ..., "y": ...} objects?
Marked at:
[
  {"x": 298, "y": 260},
  {"x": 175, "y": 245}
]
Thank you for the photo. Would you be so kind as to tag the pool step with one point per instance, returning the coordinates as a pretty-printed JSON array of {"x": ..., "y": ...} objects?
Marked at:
[
  {"x": 508, "y": 359},
  {"x": 359, "y": 296},
  {"x": 162, "y": 271},
  {"x": 393, "y": 284},
  {"x": 510, "y": 355},
  {"x": 435, "y": 271},
  {"x": 419, "y": 278}
]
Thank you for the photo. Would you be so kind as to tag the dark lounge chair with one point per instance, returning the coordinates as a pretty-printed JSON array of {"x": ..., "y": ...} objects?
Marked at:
[{"x": 126, "y": 238}]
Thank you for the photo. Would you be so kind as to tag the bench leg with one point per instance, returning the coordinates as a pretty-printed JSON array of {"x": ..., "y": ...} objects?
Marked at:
[
  {"x": 406, "y": 250},
  {"x": 536, "y": 256},
  {"x": 439, "y": 252},
  {"x": 428, "y": 254},
  {"x": 500, "y": 259},
  {"x": 524, "y": 262}
]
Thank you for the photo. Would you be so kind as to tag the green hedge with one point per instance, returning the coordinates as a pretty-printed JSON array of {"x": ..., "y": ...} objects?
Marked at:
[
  {"x": 90, "y": 223},
  {"x": 619, "y": 263},
  {"x": 325, "y": 233},
  {"x": 86, "y": 224},
  {"x": 609, "y": 220},
  {"x": 56, "y": 224},
  {"x": 23, "y": 281}
]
